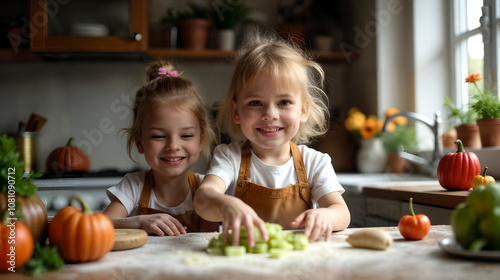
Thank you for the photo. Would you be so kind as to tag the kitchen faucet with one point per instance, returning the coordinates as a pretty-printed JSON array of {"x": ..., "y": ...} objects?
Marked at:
[{"x": 434, "y": 125}]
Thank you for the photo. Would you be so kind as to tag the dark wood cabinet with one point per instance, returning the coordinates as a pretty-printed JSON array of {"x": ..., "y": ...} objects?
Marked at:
[{"x": 89, "y": 26}]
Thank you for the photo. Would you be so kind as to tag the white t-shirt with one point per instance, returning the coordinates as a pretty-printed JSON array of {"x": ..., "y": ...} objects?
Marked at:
[
  {"x": 321, "y": 177},
  {"x": 129, "y": 190}
]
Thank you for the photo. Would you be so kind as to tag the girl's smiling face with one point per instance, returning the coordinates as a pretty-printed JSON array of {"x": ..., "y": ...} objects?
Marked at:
[
  {"x": 170, "y": 140},
  {"x": 268, "y": 115}
]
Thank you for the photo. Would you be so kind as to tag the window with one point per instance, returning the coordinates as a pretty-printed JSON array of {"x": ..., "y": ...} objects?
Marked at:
[{"x": 474, "y": 42}]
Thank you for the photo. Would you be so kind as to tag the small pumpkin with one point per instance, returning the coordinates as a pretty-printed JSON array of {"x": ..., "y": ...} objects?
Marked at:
[
  {"x": 79, "y": 234},
  {"x": 482, "y": 179},
  {"x": 68, "y": 158},
  {"x": 24, "y": 244},
  {"x": 34, "y": 214},
  {"x": 456, "y": 170}
]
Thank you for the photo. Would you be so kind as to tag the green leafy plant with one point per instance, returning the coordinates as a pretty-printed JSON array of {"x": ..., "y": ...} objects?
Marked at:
[
  {"x": 12, "y": 169},
  {"x": 44, "y": 258},
  {"x": 227, "y": 14},
  {"x": 461, "y": 116},
  {"x": 485, "y": 103},
  {"x": 402, "y": 136}
]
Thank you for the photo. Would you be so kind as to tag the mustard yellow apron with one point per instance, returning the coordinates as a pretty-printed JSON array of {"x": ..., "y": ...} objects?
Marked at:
[
  {"x": 190, "y": 219},
  {"x": 281, "y": 205}
]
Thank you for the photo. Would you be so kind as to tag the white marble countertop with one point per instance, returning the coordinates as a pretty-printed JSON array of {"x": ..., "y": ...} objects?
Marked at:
[{"x": 183, "y": 257}]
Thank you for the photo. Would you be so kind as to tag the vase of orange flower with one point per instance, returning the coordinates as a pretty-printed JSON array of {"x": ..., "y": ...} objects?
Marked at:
[{"x": 371, "y": 156}]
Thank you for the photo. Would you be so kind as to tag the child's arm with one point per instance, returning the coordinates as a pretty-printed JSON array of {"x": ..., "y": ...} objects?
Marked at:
[
  {"x": 333, "y": 215},
  {"x": 212, "y": 204},
  {"x": 159, "y": 224}
]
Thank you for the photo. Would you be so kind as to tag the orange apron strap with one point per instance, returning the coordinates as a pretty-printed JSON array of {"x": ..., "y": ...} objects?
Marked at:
[
  {"x": 246, "y": 157},
  {"x": 194, "y": 182},
  {"x": 299, "y": 164},
  {"x": 305, "y": 191},
  {"x": 146, "y": 191}
]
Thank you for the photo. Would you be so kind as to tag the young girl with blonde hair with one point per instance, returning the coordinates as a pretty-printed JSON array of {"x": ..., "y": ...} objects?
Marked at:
[
  {"x": 171, "y": 128},
  {"x": 274, "y": 102}
]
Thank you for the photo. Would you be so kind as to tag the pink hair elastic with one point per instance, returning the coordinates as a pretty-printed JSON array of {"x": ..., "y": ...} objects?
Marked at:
[{"x": 163, "y": 72}]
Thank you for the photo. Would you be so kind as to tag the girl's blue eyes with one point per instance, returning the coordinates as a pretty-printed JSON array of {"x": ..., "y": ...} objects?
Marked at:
[
  {"x": 182, "y": 136},
  {"x": 255, "y": 103},
  {"x": 281, "y": 103}
]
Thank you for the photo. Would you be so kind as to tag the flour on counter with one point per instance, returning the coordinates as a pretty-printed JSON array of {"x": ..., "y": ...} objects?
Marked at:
[{"x": 191, "y": 258}]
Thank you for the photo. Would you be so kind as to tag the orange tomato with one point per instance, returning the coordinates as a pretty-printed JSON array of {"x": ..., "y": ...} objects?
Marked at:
[
  {"x": 15, "y": 236},
  {"x": 414, "y": 227}
]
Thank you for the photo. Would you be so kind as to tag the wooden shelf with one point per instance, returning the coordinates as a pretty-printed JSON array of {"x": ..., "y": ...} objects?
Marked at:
[
  {"x": 190, "y": 54},
  {"x": 219, "y": 54},
  {"x": 8, "y": 54}
]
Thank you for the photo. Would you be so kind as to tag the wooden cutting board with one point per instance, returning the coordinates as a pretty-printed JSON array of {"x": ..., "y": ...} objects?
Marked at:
[
  {"x": 430, "y": 195},
  {"x": 129, "y": 238}
]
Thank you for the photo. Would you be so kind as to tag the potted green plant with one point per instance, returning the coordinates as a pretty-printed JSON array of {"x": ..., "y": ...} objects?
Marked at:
[
  {"x": 227, "y": 14},
  {"x": 194, "y": 23},
  {"x": 292, "y": 17},
  {"x": 487, "y": 106},
  {"x": 404, "y": 136},
  {"x": 464, "y": 123}
]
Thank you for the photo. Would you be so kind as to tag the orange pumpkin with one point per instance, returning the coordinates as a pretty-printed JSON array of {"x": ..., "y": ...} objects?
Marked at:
[
  {"x": 67, "y": 158},
  {"x": 80, "y": 235},
  {"x": 456, "y": 170},
  {"x": 482, "y": 179},
  {"x": 23, "y": 246},
  {"x": 34, "y": 214}
]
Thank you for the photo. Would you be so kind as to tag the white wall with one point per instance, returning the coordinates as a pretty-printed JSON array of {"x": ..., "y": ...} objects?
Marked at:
[
  {"x": 88, "y": 101},
  {"x": 412, "y": 59}
]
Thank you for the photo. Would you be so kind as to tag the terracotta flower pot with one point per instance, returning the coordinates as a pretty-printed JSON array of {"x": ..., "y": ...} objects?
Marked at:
[
  {"x": 469, "y": 135},
  {"x": 448, "y": 138},
  {"x": 396, "y": 164},
  {"x": 195, "y": 33},
  {"x": 294, "y": 32},
  {"x": 489, "y": 130}
]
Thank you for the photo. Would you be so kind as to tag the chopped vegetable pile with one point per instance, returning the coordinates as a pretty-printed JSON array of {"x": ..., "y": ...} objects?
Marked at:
[{"x": 280, "y": 242}]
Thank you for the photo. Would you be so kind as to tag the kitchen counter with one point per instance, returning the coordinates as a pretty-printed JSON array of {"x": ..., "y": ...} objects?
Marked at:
[
  {"x": 183, "y": 257},
  {"x": 378, "y": 200}
]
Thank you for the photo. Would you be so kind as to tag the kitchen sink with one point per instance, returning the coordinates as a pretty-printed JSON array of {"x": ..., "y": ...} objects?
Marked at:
[{"x": 356, "y": 181}]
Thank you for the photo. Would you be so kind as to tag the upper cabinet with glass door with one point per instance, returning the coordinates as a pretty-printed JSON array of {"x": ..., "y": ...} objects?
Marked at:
[{"x": 89, "y": 25}]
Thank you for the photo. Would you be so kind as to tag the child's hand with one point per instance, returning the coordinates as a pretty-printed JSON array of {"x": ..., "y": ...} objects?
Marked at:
[
  {"x": 160, "y": 224},
  {"x": 316, "y": 221},
  {"x": 235, "y": 214}
]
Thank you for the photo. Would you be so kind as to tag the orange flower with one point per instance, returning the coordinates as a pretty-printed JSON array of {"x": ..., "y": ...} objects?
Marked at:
[
  {"x": 356, "y": 120},
  {"x": 398, "y": 120},
  {"x": 369, "y": 128},
  {"x": 390, "y": 127},
  {"x": 474, "y": 77},
  {"x": 352, "y": 111}
]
